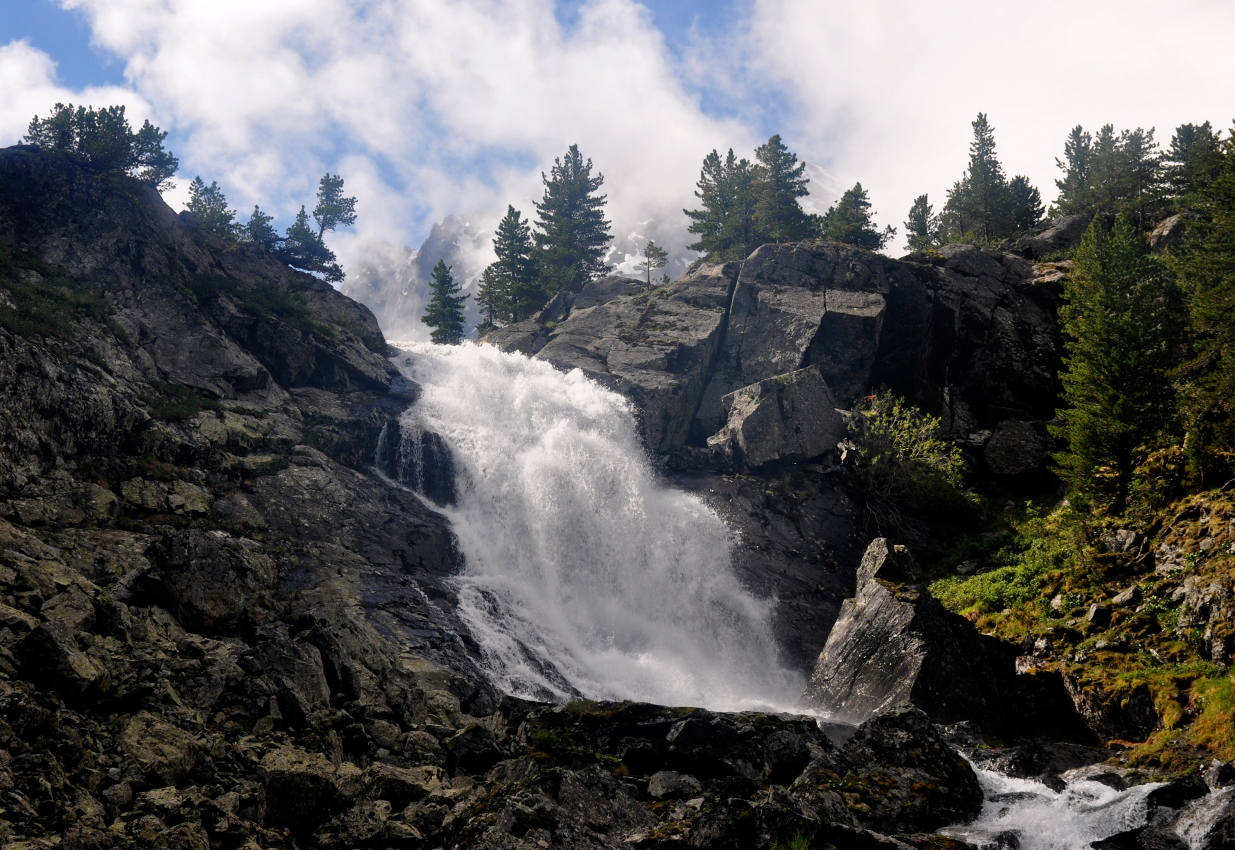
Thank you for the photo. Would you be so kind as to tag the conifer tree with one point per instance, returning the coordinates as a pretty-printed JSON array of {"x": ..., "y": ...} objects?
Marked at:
[
  {"x": 724, "y": 222},
  {"x": 303, "y": 249},
  {"x": 978, "y": 207},
  {"x": 209, "y": 205},
  {"x": 572, "y": 233},
  {"x": 849, "y": 220},
  {"x": 1193, "y": 159},
  {"x": 1024, "y": 204},
  {"x": 1205, "y": 264},
  {"x": 922, "y": 225},
  {"x": 523, "y": 291},
  {"x": 260, "y": 231},
  {"x": 333, "y": 208},
  {"x": 1119, "y": 319},
  {"x": 493, "y": 299},
  {"x": 444, "y": 312},
  {"x": 103, "y": 139},
  {"x": 654, "y": 257},
  {"x": 779, "y": 181},
  {"x": 1074, "y": 186}
]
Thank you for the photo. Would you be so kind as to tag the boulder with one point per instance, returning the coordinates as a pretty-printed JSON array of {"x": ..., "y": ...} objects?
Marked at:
[
  {"x": 1016, "y": 448},
  {"x": 790, "y": 417},
  {"x": 1059, "y": 235},
  {"x": 894, "y": 645}
]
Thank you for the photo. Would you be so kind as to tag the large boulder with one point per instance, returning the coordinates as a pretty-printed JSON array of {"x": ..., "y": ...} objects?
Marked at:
[
  {"x": 1060, "y": 234},
  {"x": 894, "y": 645},
  {"x": 655, "y": 346},
  {"x": 790, "y": 417}
]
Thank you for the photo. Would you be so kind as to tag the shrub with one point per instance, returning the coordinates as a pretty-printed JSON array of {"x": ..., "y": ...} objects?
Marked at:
[{"x": 907, "y": 469}]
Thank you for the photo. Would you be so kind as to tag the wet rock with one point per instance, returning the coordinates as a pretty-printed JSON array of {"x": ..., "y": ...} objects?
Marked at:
[
  {"x": 894, "y": 645},
  {"x": 790, "y": 417}
]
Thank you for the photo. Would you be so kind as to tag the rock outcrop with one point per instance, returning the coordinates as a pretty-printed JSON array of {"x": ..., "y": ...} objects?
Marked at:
[{"x": 894, "y": 645}]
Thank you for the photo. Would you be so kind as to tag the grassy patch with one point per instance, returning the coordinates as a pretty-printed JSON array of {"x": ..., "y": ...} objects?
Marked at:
[
  {"x": 47, "y": 303},
  {"x": 176, "y": 401}
]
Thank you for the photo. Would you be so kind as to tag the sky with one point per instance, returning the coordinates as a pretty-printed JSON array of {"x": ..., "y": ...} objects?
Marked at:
[{"x": 434, "y": 107}]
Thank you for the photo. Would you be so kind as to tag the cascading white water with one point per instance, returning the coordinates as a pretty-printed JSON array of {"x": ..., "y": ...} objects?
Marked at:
[
  {"x": 584, "y": 576},
  {"x": 1042, "y": 819}
]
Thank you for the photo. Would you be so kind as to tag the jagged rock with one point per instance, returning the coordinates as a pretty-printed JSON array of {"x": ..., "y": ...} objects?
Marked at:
[
  {"x": 656, "y": 346},
  {"x": 895, "y": 645},
  {"x": 790, "y": 417},
  {"x": 1170, "y": 231},
  {"x": 668, "y": 783},
  {"x": 50, "y": 654},
  {"x": 157, "y": 751},
  {"x": 1059, "y": 235},
  {"x": 1016, "y": 448},
  {"x": 304, "y": 788}
]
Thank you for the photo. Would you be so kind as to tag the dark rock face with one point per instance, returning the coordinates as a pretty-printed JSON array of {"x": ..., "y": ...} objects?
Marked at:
[
  {"x": 894, "y": 645},
  {"x": 655, "y": 346},
  {"x": 789, "y": 417}
]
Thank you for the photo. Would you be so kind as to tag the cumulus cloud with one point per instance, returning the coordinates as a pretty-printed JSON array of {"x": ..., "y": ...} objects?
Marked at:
[
  {"x": 28, "y": 80},
  {"x": 885, "y": 92},
  {"x": 427, "y": 107}
]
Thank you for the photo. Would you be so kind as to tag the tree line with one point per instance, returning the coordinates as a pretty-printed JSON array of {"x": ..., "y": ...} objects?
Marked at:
[{"x": 104, "y": 140}]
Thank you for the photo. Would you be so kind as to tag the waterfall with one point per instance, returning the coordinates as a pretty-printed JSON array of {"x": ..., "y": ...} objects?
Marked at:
[{"x": 584, "y": 575}]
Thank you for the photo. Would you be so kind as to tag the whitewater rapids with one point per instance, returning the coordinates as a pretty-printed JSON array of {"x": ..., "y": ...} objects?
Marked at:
[{"x": 585, "y": 576}]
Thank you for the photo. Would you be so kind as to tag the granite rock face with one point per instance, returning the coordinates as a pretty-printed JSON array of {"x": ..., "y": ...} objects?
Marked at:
[
  {"x": 789, "y": 417},
  {"x": 894, "y": 645}
]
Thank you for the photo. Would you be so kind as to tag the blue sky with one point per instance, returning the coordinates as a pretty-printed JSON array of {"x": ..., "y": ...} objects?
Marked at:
[{"x": 431, "y": 107}]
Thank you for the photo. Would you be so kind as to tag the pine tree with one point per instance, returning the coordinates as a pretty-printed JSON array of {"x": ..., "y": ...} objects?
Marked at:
[
  {"x": 516, "y": 273},
  {"x": 155, "y": 165},
  {"x": 1024, "y": 204},
  {"x": 493, "y": 299},
  {"x": 1074, "y": 187},
  {"x": 654, "y": 257},
  {"x": 333, "y": 208},
  {"x": 979, "y": 207},
  {"x": 103, "y": 139},
  {"x": 849, "y": 220},
  {"x": 209, "y": 205},
  {"x": 572, "y": 233},
  {"x": 779, "y": 181},
  {"x": 1140, "y": 181},
  {"x": 715, "y": 194},
  {"x": 1120, "y": 321},
  {"x": 303, "y": 249},
  {"x": 260, "y": 231},
  {"x": 922, "y": 226},
  {"x": 1193, "y": 159},
  {"x": 444, "y": 312},
  {"x": 1205, "y": 264}
]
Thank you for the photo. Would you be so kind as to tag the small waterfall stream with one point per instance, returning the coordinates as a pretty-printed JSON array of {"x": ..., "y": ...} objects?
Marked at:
[{"x": 584, "y": 576}]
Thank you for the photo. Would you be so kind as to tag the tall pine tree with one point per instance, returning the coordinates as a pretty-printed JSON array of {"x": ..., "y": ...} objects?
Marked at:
[
  {"x": 572, "y": 233},
  {"x": 209, "y": 205},
  {"x": 1120, "y": 320},
  {"x": 444, "y": 312},
  {"x": 1076, "y": 164},
  {"x": 1205, "y": 264},
  {"x": 303, "y": 249},
  {"x": 979, "y": 206},
  {"x": 849, "y": 220},
  {"x": 779, "y": 181},
  {"x": 922, "y": 226}
]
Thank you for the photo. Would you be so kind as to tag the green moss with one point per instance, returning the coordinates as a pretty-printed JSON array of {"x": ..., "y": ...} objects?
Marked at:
[
  {"x": 176, "y": 401},
  {"x": 46, "y": 302}
]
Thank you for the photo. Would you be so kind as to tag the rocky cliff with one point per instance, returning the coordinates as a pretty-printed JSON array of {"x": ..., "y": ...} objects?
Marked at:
[{"x": 219, "y": 627}]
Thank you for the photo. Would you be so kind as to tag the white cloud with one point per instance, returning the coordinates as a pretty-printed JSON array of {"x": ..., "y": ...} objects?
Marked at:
[
  {"x": 28, "y": 80},
  {"x": 885, "y": 91}
]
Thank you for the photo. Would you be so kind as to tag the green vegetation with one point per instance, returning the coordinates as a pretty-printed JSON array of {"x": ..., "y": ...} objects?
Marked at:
[
  {"x": 849, "y": 220},
  {"x": 444, "y": 312},
  {"x": 104, "y": 140},
  {"x": 654, "y": 257},
  {"x": 210, "y": 207},
  {"x": 572, "y": 233},
  {"x": 42, "y": 307},
  {"x": 922, "y": 226},
  {"x": 744, "y": 205},
  {"x": 907, "y": 470},
  {"x": 983, "y": 206},
  {"x": 1121, "y": 320},
  {"x": 510, "y": 290}
]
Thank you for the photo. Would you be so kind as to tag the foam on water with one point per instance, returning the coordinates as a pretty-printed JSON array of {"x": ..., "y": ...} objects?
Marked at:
[{"x": 584, "y": 575}]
